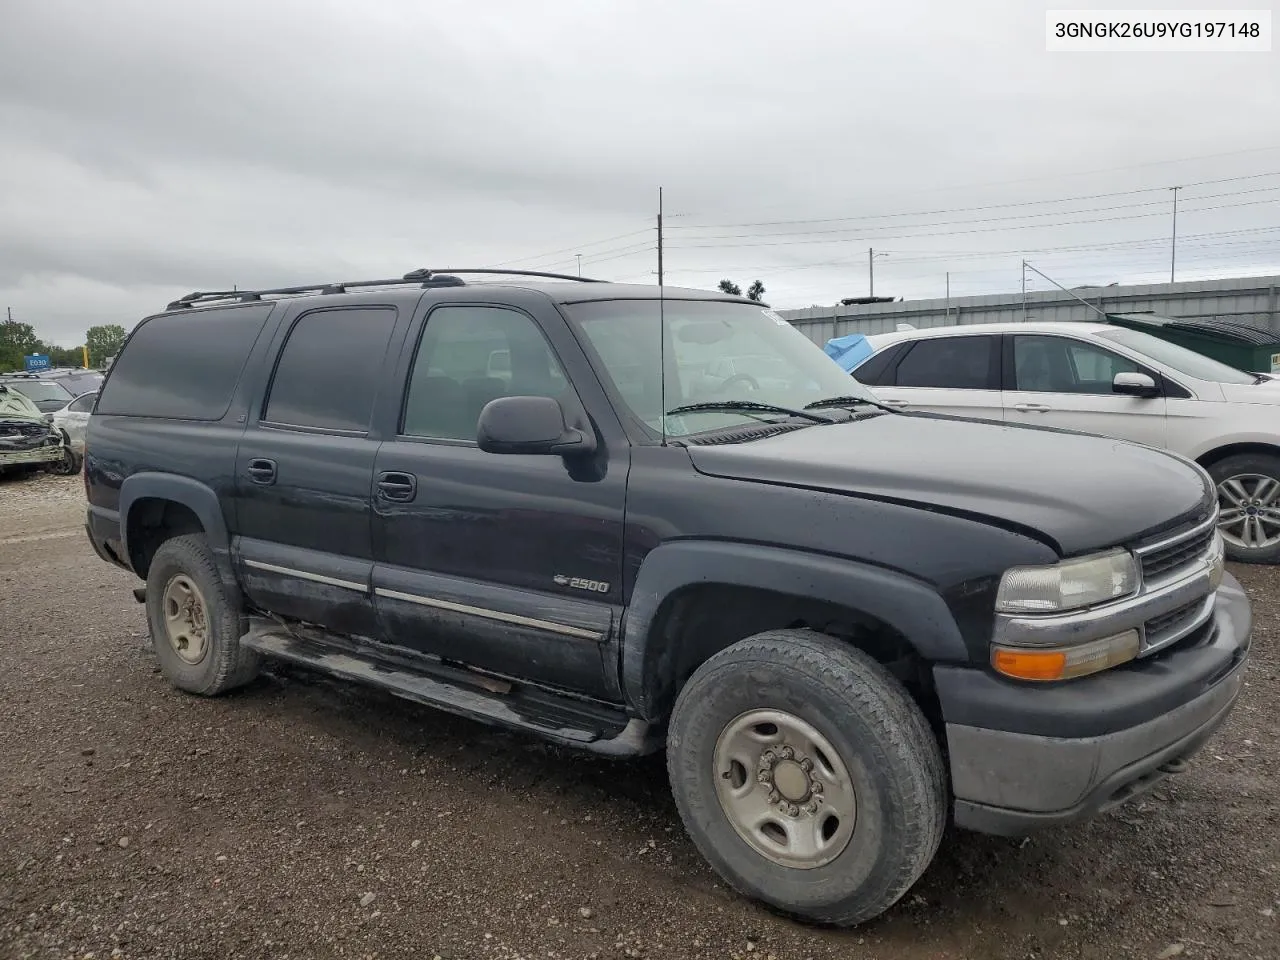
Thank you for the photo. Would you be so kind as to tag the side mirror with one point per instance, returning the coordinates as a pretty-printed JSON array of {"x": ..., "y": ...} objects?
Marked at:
[
  {"x": 530, "y": 425},
  {"x": 1135, "y": 385}
]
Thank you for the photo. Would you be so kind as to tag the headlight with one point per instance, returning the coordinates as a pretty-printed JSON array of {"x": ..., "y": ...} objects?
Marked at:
[{"x": 1069, "y": 585}]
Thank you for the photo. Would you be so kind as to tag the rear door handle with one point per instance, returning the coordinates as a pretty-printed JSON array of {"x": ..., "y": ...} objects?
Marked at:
[
  {"x": 1032, "y": 407},
  {"x": 400, "y": 487},
  {"x": 261, "y": 470}
]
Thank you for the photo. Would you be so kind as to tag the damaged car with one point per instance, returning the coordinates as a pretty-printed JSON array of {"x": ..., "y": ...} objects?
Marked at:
[{"x": 28, "y": 441}]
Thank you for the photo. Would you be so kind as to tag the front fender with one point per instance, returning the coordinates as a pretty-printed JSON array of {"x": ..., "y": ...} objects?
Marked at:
[{"x": 909, "y": 606}]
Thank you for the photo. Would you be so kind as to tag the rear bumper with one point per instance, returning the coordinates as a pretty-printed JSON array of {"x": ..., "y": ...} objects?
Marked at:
[
  {"x": 1113, "y": 737},
  {"x": 103, "y": 529}
]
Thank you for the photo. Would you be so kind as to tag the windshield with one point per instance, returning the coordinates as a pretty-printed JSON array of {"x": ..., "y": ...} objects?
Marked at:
[
  {"x": 714, "y": 352},
  {"x": 1179, "y": 358},
  {"x": 38, "y": 390}
]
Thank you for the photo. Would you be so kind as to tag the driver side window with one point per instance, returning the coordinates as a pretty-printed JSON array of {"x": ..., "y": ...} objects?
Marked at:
[
  {"x": 1065, "y": 365},
  {"x": 470, "y": 355}
]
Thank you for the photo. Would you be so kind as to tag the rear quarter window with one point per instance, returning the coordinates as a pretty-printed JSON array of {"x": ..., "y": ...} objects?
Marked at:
[{"x": 183, "y": 366}]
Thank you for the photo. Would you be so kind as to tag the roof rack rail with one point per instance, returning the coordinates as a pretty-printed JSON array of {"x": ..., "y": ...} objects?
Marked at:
[{"x": 427, "y": 278}]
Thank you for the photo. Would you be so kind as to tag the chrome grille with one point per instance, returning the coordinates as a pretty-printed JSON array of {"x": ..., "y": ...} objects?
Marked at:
[{"x": 1167, "y": 558}]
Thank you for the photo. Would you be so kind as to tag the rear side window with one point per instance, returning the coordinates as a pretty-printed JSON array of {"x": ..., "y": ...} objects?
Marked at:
[
  {"x": 958, "y": 363},
  {"x": 330, "y": 369},
  {"x": 874, "y": 371},
  {"x": 183, "y": 366}
]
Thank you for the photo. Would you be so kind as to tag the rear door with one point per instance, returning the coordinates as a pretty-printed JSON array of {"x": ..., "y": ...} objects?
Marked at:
[
  {"x": 957, "y": 374},
  {"x": 304, "y": 469},
  {"x": 1061, "y": 381}
]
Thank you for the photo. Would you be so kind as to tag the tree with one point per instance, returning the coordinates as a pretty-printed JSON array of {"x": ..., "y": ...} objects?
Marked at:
[
  {"x": 103, "y": 341},
  {"x": 754, "y": 292},
  {"x": 17, "y": 340}
]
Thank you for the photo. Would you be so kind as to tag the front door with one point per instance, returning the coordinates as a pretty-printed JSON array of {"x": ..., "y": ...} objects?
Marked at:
[
  {"x": 1061, "y": 381},
  {"x": 508, "y": 563},
  {"x": 304, "y": 472}
]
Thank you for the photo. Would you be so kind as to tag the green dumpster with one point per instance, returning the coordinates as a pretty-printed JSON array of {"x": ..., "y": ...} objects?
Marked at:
[{"x": 1244, "y": 346}]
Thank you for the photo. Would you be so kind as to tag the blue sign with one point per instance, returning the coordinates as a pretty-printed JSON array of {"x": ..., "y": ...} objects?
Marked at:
[{"x": 36, "y": 361}]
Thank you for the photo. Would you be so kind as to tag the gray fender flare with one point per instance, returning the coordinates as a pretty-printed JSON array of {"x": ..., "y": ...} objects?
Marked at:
[
  {"x": 911, "y": 607},
  {"x": 195, "y": 496}
]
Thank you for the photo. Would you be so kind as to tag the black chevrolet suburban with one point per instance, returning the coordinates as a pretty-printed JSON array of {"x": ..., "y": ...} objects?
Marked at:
[{"x": 532, "y": 501}]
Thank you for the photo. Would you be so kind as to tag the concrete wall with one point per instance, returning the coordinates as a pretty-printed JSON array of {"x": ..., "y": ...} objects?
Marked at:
[{"x": 1253, "y": 299}]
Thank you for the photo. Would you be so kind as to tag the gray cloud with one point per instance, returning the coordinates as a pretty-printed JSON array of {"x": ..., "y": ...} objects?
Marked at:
[{"x": 151, "y": 149}]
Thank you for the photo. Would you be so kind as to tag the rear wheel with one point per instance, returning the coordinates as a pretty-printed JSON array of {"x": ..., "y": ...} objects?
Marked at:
[
  {"x": 1249, "y": 503},
  {"x": 807, "y": 776},
  {"x": 195, "y": 628}
]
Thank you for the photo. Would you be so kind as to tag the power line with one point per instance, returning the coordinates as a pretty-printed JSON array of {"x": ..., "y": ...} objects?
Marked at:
[
  {"x": 950, "y": 233},
  {"x": 1014, "y": 216},
  {"x": 977, "y": 209},
  {"x": 576, "y": 246},
  {"x": 1085, "y": 173}
]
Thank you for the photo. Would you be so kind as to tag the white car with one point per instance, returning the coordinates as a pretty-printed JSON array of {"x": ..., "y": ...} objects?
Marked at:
[
  {"x": 72, "y": 420},
  {"x": 1107, "y": 380}
]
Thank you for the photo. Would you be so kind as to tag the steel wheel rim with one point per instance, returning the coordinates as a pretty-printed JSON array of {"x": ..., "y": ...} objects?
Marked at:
[
  {"x": 186, "y": 619},
  {"x": 785, "y": 789},
  {"x": 1249, "y": 511}
]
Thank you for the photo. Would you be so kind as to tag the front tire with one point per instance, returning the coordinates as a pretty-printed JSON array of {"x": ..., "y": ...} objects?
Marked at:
[
  {"x": 807, "y": 776},
  {"x": 194, "y": 626},
  {"x": 1249, "y": 501}
]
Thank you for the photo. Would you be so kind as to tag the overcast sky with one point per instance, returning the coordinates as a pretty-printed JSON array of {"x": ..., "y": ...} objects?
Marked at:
[{"x": 153, "y": 148}]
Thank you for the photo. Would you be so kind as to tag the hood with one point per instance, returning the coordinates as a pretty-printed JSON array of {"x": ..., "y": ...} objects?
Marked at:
[
  {"x": 1079, "y": 492},
  {"x": 1267, "y": 392}
]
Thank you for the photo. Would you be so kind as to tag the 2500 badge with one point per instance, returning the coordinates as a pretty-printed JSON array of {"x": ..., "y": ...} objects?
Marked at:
[{"x": 578, "y": 583}]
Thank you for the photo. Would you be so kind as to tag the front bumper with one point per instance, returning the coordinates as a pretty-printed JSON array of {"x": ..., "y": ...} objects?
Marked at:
[
  {"x": 1025, "y": 757},
  {"x": 42, "y": 454}
]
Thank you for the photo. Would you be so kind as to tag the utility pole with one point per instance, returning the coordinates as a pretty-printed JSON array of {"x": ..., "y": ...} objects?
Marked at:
[
  {"x": 1173, "y": 247},
  {"x": 659, "y": 236},
  {"x": 1024, "y": 291},
  {"x": 579, "y": 256},
  {"x": 871, "y": 270},
  {"x": 948, "y": 310}
]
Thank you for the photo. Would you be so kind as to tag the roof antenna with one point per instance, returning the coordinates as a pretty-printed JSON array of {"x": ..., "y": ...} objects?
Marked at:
[{"x": 662, "y": 335}]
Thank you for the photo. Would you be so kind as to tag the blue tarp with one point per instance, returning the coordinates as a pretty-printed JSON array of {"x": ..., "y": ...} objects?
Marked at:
[{"x": 848, "y": 351}]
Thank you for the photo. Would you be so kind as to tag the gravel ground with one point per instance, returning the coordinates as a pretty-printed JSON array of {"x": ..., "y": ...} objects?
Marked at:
[{"x": 306, "y": 819}]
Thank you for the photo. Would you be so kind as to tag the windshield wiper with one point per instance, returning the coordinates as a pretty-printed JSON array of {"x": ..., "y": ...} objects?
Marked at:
[
  {"x": 848, "y": 402},
  {"x": 730, "y": 406}
]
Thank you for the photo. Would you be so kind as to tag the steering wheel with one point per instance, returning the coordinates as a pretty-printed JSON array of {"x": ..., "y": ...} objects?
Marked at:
[{"x": 746, "y": 378}]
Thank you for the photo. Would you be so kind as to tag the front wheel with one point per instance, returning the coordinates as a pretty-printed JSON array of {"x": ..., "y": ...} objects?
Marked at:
[
  {"x": 807, "y": 776},
  {"x": 1249, "y": 505}
]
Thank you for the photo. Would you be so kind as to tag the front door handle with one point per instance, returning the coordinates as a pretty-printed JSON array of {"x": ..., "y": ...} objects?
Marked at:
[
  {"x": 261, "y": 470},
  {"x": 1032, "y": 407},
  {"x": 400, "y": 487},
  {"x": 895, "y": 403}
]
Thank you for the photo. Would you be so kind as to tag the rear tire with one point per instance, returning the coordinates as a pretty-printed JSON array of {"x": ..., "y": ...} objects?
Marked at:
[
  {"x": 195, "y": 628},
  {"x": 833, "y": 838},
  {"x": 1249, "y": 482}
]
